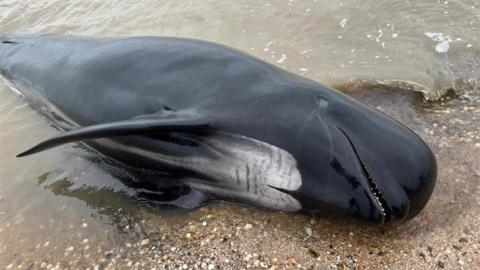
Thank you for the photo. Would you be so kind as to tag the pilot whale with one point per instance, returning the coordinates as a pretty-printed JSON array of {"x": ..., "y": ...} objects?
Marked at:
[{"x": 222, "y": 125}]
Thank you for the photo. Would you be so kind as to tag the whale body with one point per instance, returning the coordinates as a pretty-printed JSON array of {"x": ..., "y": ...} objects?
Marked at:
[{"x": 222, "y": 125}]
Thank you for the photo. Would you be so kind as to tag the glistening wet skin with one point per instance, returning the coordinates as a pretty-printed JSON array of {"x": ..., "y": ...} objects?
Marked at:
[{"x": 256, "y": 158}]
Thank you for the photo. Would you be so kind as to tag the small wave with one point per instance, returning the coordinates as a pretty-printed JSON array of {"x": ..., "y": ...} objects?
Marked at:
[
  {"x": 457, "y": 71},
  {"x": 464, "y": 89}
]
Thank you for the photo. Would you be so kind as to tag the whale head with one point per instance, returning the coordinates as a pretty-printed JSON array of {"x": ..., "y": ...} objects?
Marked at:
[{"x": 378, "y": 170}]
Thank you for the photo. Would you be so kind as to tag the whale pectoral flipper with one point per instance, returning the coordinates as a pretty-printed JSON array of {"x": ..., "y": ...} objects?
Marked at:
[{"x": 136, "y": 126}]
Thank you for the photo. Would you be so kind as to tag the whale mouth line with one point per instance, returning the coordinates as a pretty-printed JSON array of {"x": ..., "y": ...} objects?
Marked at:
[{"x": 372, "y": 185}]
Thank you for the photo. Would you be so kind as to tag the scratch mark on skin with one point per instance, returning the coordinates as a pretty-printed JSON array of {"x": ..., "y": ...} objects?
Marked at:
[
  {"x": 237, "y": 176},
  {"x": 247, "y": 176},
  {"x": 321, "y": 104}
]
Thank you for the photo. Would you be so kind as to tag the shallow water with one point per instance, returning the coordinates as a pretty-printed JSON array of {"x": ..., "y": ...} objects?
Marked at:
[{"x": 61, "y": 207}]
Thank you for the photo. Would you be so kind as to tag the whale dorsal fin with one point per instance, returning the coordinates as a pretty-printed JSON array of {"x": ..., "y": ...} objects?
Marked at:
[{"x": 136, "y": 126}]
